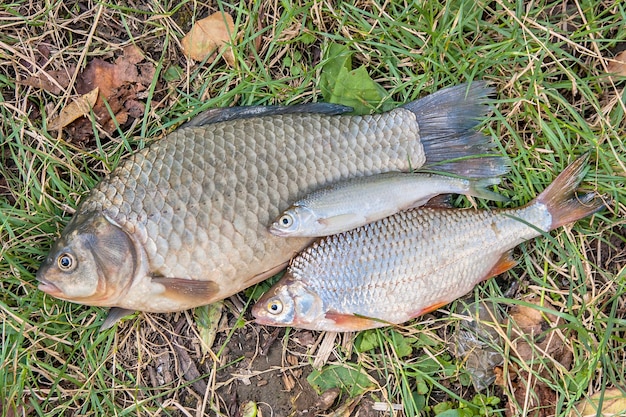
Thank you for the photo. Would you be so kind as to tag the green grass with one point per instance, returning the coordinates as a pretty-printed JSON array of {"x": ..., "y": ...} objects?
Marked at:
[{"x": 554, "y": 102}]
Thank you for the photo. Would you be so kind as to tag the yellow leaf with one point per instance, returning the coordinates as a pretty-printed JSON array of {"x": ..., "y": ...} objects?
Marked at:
[
  {"x": 77, "y": 108},
  {"x": 613, "y": 404},
  {"x": 209, "y": 34}
]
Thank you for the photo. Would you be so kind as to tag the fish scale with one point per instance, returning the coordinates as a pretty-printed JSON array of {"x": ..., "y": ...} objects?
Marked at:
[{"x": 183, "y": 222}]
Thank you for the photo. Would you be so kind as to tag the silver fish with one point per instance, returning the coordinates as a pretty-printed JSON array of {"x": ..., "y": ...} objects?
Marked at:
[
  {"x": 413, "y": 262},
  {"x": 183, "y": 222},
  {"x": 355, "y": 202}
]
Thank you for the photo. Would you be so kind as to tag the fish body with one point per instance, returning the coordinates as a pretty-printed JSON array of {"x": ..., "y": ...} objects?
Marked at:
[
  {"x": 355, "y": 202},
  {"x": 412, "y": 262},
  {"x": 183, "y": 222}
]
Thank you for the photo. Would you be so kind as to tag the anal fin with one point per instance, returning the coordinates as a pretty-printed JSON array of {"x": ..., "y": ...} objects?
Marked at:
[
  {"x": 505, "y": 263},
  {"x": 430, "y": 309}
]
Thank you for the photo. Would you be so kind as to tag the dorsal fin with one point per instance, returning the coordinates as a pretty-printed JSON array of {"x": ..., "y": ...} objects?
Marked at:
[{"x": 226, "y": 114}]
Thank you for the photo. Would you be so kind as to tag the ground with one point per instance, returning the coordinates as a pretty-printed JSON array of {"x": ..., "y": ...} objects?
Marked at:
[{"x": 559, "y": 335}]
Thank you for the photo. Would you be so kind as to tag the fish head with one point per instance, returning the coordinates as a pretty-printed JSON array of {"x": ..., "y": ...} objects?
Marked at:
[
  {"x": 297, "y": 220},
  {"x": 289, "y": 303},
  {"x": 91, "y": 263}
]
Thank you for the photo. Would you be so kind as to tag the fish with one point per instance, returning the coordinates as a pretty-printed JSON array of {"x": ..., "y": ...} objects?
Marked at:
[
  {"x": 183, "y": 222},
  {"x": 355, "y": 202},
  {"x": 415, "y": 261}
]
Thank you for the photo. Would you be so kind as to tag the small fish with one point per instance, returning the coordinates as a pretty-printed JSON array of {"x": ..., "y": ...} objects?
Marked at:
[
  {"x": 349, "y": 204},
  {"x": 413, "y": 262},
  {"x": 183, "y": 222}
]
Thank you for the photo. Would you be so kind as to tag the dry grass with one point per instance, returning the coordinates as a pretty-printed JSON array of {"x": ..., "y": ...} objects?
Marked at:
[{"x": 548, "y": 62}]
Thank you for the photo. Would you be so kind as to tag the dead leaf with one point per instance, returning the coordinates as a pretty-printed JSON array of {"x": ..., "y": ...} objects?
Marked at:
[
  {"x": 77, "y": 108},
  {"x": 288, "y": 382},
  {"x": 617, "y": 66},
  {"x": 535, "y": 342},
  {"x": 533, "y": 327},
  {"x": 208, "y": 35},
  {"x": 327, "y": 398},
  {"x": 54, "y": 81},
  {"x": 133, "y": 54},
  {"x": 613, "y": 404},
  {"x": 120, "y": 85},
  {"x": 189, "y": 370}
]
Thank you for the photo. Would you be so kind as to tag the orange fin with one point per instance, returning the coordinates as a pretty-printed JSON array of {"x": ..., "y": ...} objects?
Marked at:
[
  {"x": 430, "y": 309},
  {"x": 187, "y": 289},
  {"x": 562, "y": 201},
  {"x": 505, "y": 263},
  {"x": 353, "y": 322}
]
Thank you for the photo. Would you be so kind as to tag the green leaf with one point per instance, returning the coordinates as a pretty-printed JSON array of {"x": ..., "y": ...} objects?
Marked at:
[
  {"x": 401, "y": 344},
  {"x": 419, "y": 400},
  {"x": 173, "y": 73},
  {"x": 349, "y": 380},
  {"x": 366, "y": 341},
  {"x": 307, "y": 38},
  {"x": 421, "y": 386},
  {"x": 356, "y": 89},
  {"x": 449, "y": 413},
  {"x": 442, "y": 407},
  {"x": 207, "y": 320},
  {"x": 337, "y": 58},
  {"x": 249, "y": 409},
  {"x": 340, "y": 84}
]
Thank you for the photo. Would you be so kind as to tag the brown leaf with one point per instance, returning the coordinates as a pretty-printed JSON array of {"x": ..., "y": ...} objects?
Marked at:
[
  {"x": 617, "y": 66},
  {"x": 133, "y": 54},
  {"x": 135, "y": 108},
  {"x": 54, "y": 81},
  {"x": 613, "y": 404},
  {"x": 535, "y": 342},
  {"x": 119, "y": 84},
  {"x": 189, "y": 370},
  {"x": 77, "y": 108},
  {"x": 288, "y": 382},
  {"x": 327, "y": 398},
  {"x": 535, "y": 334},
  {"x": 209, "y": 34}
]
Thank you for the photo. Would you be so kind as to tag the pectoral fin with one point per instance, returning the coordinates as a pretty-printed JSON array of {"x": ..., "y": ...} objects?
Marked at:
[
  {"x": 342, "y": 223},
  {"x": 115, "y": 314},
  {"x": 353, "y": 322},
  {"x": 187, "y": 289}
]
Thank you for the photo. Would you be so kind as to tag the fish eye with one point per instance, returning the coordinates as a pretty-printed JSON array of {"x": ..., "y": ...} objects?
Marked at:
[
  {"x": 275, "y": 307},
  {"x": 286, "y": 220},
  {"x": 66, "y": 262}
]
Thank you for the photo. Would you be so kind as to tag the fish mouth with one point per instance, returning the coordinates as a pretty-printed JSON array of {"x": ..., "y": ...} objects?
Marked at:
[
  {"x": 260, "y": 318},
  {"x": 49, "y": 288},
  {"x": 264, "y": 321}
]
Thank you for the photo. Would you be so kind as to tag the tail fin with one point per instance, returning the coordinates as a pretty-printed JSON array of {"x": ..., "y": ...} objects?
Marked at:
[
  {"x": 447, "y": 120},
  {"x": 564, "y": 205},
  {"x": 478, "y": 188}
]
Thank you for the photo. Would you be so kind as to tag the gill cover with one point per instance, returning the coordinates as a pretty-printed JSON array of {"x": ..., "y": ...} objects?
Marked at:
[
  {"x": 288, "y": 303},
  {"x": 93, "y": 261},
  {"x": 292, "y": 220}
]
